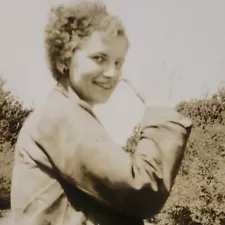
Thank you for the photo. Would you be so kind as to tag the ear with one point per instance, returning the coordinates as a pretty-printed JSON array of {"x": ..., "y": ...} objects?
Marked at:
[{"x": 62, "y": 67}]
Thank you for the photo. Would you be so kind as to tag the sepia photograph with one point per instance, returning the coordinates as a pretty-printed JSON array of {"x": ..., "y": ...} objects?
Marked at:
[{"x": 112, "y": 112}]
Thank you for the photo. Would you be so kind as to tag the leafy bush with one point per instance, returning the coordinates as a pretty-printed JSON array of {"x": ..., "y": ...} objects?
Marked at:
[
  {"x": 205, "y": 111},
  {"x": 12, "y": 116}
]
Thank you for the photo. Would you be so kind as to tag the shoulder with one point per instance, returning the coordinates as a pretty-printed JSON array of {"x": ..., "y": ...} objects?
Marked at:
[
  {"x": 55, "y": 112},
  {"x": 60, "y": 117}
]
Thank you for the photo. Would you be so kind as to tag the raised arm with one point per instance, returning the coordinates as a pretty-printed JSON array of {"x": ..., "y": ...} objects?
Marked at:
[{"x": 138, "y": 185}]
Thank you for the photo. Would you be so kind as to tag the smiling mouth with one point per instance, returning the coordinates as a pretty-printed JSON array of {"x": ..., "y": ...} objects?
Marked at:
[{"x": 105, "y": 86}]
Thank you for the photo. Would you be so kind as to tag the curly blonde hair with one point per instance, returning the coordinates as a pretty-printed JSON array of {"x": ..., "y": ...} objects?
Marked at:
[{"x": 70, "y": 25}]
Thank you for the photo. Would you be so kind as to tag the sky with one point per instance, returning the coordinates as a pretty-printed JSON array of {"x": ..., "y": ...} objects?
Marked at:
[{"x": 177, "y": 48}]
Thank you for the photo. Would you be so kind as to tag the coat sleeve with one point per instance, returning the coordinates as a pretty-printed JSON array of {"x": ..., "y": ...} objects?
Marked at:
[{"x": 137, "y": 184}]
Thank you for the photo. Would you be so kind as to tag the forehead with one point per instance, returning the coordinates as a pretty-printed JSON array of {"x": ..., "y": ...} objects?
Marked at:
[{"x": 114, "y": 46}]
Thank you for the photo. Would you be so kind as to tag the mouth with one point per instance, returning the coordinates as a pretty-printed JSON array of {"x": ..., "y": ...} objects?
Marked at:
[{"x": 106, "y": 86}]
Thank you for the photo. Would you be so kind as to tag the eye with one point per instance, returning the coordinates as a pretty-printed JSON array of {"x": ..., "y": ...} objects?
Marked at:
[
  {"x": 119, "y": 64},
  {"x": 99, "y": 59}
]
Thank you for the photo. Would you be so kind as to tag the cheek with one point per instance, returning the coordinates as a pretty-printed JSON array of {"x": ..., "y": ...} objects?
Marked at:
[
  {"x": 119, "y": 74},
  {"x": 88, "y": 69},
  {"x": 117, "y": 77}
]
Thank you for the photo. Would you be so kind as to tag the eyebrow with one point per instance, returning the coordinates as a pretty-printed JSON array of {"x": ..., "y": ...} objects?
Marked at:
[
  {"x": 105, "y": 55},
  {"x": 99, "y": 53}
]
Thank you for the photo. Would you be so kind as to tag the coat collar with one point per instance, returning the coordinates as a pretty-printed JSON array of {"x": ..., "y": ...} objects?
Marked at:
[{"x": 73, "y": 96}]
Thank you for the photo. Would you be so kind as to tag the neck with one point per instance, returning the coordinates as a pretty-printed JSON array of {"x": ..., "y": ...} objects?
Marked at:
[{"x": 69, "y": 92}]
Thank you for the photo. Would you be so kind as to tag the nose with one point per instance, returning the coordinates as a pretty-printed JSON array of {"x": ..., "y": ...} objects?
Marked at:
[{"x": 110, "y": 72}]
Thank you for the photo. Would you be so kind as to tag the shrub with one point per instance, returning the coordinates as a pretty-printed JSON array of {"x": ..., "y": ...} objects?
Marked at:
[
  {"x": 205, "y": 111},
  {"x": 12, "y": 116}
]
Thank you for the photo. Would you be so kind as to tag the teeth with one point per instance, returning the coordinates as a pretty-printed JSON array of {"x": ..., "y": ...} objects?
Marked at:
[{"x": 105, "y": 86}]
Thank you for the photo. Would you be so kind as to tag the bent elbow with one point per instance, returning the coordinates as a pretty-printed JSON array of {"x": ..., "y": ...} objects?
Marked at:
[{"x": 144, "y": 202}]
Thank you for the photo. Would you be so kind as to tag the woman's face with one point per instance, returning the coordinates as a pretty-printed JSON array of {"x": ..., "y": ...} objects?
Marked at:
[{"x": 96, "y": 67}]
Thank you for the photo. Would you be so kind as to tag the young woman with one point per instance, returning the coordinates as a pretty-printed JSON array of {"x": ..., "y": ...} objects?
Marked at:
[{"x": 67, "y": 170}]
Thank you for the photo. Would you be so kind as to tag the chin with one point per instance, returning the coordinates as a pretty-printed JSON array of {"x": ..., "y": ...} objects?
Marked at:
[{"x": 101, "y": 101}]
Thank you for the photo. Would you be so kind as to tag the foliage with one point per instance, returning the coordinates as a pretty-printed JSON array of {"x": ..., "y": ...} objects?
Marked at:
[
  {"x": 133, "y": 140},
  {"x": 205, "y": 111},
  {"x": 12, "y": 116}
]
